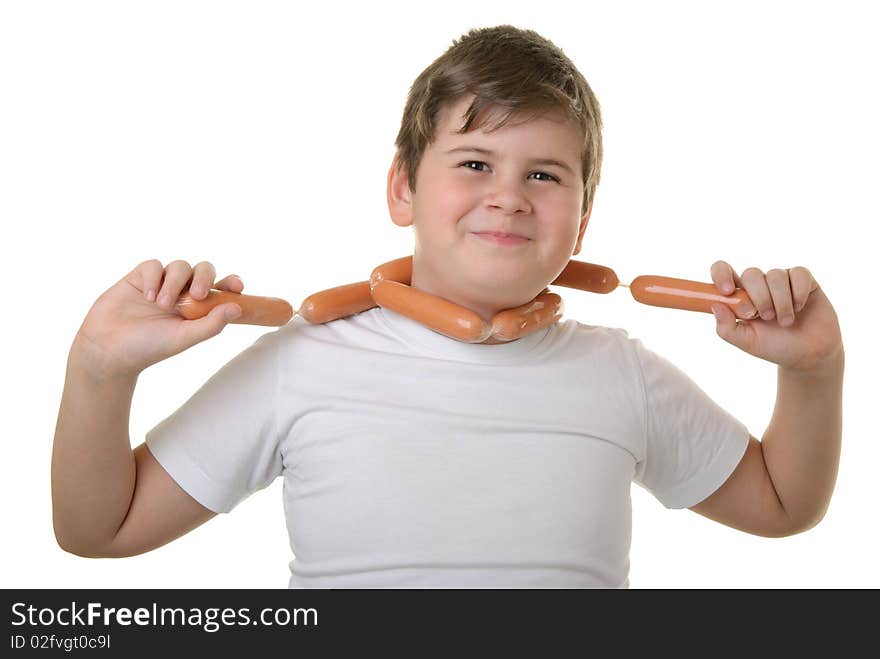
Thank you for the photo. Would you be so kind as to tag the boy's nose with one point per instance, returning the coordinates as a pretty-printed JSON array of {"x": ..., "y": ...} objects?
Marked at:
[{"x": 509, "y": 198}]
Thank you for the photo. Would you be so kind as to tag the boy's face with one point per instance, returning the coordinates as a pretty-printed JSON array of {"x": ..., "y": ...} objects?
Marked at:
[{"x": 464, "y": 193}]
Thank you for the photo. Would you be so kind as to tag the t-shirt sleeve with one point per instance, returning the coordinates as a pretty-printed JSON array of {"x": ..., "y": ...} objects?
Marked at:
[
  {"x": 692, "y": 444},
  {"x": 222, "y": 444}
]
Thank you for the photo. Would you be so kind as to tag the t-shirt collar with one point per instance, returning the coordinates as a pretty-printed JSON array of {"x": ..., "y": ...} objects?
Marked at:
[{"x": 425, "y": 339}]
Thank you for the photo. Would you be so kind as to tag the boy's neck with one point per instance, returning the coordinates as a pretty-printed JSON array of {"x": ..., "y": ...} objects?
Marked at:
[{"x": 486, "y": 314}]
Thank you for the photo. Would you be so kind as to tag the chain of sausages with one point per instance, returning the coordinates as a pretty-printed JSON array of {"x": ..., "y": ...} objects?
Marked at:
[{"x": 389, "y": 287}]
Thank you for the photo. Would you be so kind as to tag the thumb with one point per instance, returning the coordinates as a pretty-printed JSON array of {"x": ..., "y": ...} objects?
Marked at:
[
  {"x": 727, "y": 328},
  {"x": 211, "y": 324}
]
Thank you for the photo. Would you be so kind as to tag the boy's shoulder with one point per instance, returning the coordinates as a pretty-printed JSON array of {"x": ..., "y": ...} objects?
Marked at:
[
  {"x": 361, "y": 329},
  {"x": 604, "y": 344},
  {"x": 588, "y": 332}
]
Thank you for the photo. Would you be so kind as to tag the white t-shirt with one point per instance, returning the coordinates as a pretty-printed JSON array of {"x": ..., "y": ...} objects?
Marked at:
[{"x": 414, "y": 460}]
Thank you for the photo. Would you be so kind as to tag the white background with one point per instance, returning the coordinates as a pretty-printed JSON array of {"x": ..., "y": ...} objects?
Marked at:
[{"x": 258, "y": 136}]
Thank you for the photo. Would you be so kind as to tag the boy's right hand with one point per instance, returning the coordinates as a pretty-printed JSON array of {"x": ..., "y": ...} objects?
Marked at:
[{"x": 133, "y": 325}]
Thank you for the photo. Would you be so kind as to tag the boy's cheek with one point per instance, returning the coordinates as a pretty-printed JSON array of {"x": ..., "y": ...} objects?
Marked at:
[{"x": 453, "y": 221}]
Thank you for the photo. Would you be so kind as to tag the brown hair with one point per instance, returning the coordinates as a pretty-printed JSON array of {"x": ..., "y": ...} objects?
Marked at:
[{"x": 507, "y": 67}]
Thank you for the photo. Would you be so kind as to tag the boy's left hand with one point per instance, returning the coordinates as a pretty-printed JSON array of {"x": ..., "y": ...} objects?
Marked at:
[{"x": 797, "y": 327}]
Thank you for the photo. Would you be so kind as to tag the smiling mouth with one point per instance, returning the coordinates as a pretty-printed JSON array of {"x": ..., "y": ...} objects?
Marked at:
[
  {"x": 501, "y": 238},
  {"x": 502, "y": 235}
]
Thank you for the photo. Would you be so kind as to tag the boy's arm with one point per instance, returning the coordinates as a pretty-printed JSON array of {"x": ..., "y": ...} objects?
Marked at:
[
  {"x": 93, "y": 468},
  {"x": 783, "y": 484},
  {"x": 108, "y": 501}
]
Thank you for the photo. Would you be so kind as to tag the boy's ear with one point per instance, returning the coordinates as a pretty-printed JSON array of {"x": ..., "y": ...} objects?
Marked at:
[
  {"x": 583, "y": 227},
  {"x": 399, "y": 196}
]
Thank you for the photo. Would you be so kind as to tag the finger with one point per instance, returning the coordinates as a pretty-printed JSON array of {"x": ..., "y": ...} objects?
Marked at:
[
  {"x": 725, "y": 277},
  {"x": 147, "y": 277},
  {"x": 231, "y": 283},
  {"x": 741, "y": 335},
  {"x": 755, "y": 285},
  {"x": 780, "y": 293},
  {"x": 209, "y": 325},
  {"x": 177, "y": 275},
  {"x": 726, "y": 280},
  {"x": 802, "y": 284},
  {"x": 202, "y": 279}
]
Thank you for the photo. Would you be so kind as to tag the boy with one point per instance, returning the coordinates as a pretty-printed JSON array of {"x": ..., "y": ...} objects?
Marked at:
[{"x": 412, "y": 459}]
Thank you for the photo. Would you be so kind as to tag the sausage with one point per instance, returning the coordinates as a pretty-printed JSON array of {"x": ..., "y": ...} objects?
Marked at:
[
  {"x": 511, "y": 324},
  {"x": 587, "y": 277},
  {"x": 338, "y": 302},
  {"x": 443, "y": 316},
  {"x": 255, "y": 310},
  {"x": 349, "y": 299},
  {"x": 684, "y": 294},
  {"x": 399, "y": 270}
]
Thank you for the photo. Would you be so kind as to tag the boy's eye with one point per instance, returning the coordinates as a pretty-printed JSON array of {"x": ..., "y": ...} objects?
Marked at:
[
  {"x": 472, "y": 162},
  {"x": 479, "y": 162}
]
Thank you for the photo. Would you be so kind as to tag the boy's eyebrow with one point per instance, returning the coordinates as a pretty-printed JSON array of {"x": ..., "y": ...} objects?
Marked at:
[{"x": 536, "y": 161}]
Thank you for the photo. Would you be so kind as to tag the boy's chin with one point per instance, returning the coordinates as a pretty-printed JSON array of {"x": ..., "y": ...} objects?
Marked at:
[{"x": 502, "y": 297}]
